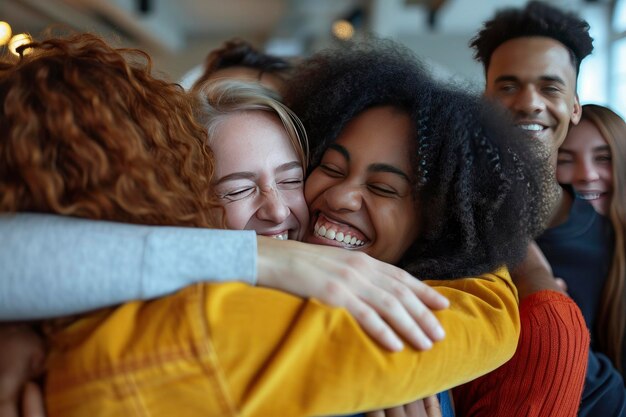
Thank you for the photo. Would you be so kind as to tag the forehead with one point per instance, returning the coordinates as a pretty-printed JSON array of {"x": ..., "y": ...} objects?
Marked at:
[
  {"x": 585, "y": 135},
  {"x": 379, "y": 134},
  {"x": 251, "y": 137},
  {"x": 529, "y": 58}
]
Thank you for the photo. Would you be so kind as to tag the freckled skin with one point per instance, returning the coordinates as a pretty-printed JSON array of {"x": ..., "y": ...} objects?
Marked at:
[{"x": 272, "y": 200}]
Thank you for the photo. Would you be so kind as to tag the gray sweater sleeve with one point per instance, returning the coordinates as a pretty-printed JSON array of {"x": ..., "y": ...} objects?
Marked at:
[{"x": 54, "y": 265}]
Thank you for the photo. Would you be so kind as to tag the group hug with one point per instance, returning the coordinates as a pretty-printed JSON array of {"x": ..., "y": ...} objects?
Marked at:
[{"x": 342, "y": 235}]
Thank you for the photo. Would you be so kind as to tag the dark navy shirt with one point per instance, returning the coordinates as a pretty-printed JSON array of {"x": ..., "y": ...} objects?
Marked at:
[{"x": 580, "y": 251}]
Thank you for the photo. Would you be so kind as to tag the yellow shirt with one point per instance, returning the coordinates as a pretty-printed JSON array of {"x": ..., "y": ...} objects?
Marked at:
[{"x": 236, "y": 350}]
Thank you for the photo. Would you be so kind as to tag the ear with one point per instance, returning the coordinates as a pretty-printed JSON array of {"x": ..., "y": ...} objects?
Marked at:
[{"x": 577, "y": 111}]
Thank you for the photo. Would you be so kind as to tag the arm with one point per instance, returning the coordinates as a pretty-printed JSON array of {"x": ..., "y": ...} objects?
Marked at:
[
  {"x": 55, "y": 265},
  {"x": 265, "y": 353},
  {"x": 547, "y": 372},
  {"x": 545, "y": 376}
]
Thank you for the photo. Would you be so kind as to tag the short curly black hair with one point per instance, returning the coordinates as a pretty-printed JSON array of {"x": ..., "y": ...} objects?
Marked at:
[
  {"x": 479, "y": 182},
  {"x": 536, "y": 19}
]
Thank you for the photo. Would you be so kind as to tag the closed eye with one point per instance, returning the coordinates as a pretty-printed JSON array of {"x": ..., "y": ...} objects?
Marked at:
[
  {"x": 239, "y": 194},
  {"x": 331, "y": 171},
  {"x": 383, "y": 190},
  {"x": 291, "y": 184}
]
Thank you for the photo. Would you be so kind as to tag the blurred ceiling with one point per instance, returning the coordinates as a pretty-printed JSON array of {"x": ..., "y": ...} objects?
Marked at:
[{"x": 175, "y": 30}]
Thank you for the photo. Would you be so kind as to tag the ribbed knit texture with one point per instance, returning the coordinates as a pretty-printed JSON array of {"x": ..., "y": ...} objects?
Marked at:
[{"x": 545, "y": 377}]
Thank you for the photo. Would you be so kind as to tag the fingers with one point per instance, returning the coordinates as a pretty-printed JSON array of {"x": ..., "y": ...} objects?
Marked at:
[
  {"x": 396, "y": 412},
  {"x": 373, "y": 324},
  {"x": 377, "y": 413},
  {"x": 402, "y": 306},
  {"x": 406, "y": 314},
  {"x": 431, "y": 404},
  {"x": 561, "y": 283},
  {"x": 428, "y": 295},
  {"x": 32, "y": 401},
  {"x": 421, "y": 315}
]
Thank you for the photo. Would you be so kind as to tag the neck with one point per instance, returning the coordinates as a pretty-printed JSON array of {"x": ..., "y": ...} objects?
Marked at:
[{"x": 561, "y": 202}]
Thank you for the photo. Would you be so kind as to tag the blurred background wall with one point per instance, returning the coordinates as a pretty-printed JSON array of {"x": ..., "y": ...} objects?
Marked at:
[{"x": 179, "y": 33}]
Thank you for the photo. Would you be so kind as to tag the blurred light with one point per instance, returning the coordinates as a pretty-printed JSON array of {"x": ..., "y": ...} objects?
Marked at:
[
  {"x": 342, "y": 29},
  {"x": 5, "y": 33},
  {"x": 18, "y": 40}
]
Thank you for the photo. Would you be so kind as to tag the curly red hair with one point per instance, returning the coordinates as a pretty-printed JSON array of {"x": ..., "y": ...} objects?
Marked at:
[{"x": 87, "y": 131}]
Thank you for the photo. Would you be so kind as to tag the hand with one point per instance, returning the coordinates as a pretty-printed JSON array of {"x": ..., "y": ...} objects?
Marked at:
[
  {"x": 560, "y": 282},
  {"x": 381, "y": 297},
  {"x": 21, "y": 361},
  {"x": 32, "y": 401},
  {"x": 534, "y": 273},
  {"x": 428, "y": 407}
]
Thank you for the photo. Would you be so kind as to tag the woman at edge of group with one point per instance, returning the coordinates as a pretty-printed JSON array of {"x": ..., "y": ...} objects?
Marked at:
[{"x": 593, "y": 160}]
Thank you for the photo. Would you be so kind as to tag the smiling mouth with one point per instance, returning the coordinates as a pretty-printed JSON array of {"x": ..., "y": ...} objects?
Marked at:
[
  {"x": 587, "y": 196},
  {"x": 532, "y": 128},
  {"x": 336, "y": 232},
  {"x": 278, "y": 236}
]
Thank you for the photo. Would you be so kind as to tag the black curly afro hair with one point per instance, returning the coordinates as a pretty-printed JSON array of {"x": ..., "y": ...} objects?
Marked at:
[
  {"x": 536, "y": 19},
  {"x": 479, "y": 183}
]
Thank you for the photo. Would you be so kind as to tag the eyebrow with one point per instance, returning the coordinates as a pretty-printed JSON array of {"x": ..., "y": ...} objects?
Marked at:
[
  {"x": 377, "y": 167},
  {"x": 550, "y": 78},
  {"x": 247, "y": 175},
  {"x": 601, "y": 148}
]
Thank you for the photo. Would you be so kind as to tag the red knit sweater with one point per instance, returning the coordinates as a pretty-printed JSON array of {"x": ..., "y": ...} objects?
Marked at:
[{"x": 545, "y": 377}]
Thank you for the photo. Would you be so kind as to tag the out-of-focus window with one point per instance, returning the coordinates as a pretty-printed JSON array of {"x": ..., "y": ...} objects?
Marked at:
[{"x": 618, "y": 58}]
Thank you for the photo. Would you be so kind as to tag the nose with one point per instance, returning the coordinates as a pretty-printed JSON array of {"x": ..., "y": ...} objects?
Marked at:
[
  {"x": 273, "y": 207},
  {"x": 344, "y": 197},
  {"x": 586, "y": 172},
  {"x": 528, "y": 101}
]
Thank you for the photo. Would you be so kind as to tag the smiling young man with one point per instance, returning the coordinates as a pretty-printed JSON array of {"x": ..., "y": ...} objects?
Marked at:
[{"x": 531, "y": 58}]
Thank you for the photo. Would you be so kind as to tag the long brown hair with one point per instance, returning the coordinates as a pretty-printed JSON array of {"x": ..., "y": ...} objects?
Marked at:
[
  {"x": 87, "y": 131},
  {"x": 612, "y": 313}
]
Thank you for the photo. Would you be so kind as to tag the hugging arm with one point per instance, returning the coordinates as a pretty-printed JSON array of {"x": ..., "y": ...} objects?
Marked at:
[
  {"x": 55, "y": 266},
  {"x": 263, "y": 352}
]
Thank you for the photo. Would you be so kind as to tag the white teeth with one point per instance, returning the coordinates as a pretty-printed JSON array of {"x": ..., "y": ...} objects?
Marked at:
[
  {"x": 338, "y": 236},
  {"x": 589, "y": 196},
  {"x": 531, "y": 127},
  {"x": 282, "y": 236}
]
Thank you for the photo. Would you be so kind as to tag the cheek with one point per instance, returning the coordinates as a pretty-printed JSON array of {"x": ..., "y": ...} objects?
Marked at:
[
  {"x": 398, "y": 225},
  {"x": 607, "y": 174},
  {"x": 238, "y": 214},
  {"x": 297, "y": 205},
  {"x": 313, "y": 187},
  {"x": 564, "y": 174}
]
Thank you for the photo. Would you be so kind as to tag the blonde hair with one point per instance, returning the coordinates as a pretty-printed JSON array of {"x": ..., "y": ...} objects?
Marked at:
[
  {"x": 612, "y": 308},
  {"x": 217, "y": 100}
]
